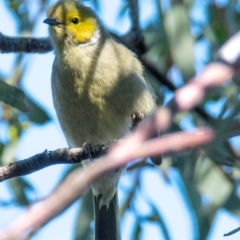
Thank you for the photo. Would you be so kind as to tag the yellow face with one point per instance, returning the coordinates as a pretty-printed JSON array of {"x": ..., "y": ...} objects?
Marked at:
[{"x": 71, "y": 21}]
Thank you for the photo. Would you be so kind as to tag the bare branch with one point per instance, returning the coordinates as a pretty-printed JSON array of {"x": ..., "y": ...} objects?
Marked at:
[
  {"x": 134, "y": 13},
  {"x": 24, "y": 44},
  {"x": 135, "y": 37},
  {"x": 48, "y": 158}
]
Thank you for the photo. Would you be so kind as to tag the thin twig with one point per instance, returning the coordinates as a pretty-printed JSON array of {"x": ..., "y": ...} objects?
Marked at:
[
  {"x": 232, "y": 232},
  {"x": 135, "y": 36}
]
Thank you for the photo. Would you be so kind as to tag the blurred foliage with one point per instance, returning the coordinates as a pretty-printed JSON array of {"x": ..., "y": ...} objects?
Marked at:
[
  {"x": 24, "y": 110},
  {"x": 211, "y": 174},
  {"x": 85, "y": 217}
]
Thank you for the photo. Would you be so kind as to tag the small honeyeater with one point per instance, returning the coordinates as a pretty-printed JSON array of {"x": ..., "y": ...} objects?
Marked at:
[{"x": 97, "y": 85}]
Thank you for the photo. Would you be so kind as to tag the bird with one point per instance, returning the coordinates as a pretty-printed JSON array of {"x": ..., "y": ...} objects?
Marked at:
[{"x": 97, "y": 86}]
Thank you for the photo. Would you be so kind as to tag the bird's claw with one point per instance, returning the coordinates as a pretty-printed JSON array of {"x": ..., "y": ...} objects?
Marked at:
[{"x": 89, "y": 150}]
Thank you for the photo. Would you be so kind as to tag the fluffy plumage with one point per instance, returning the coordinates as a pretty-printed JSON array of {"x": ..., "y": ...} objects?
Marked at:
[{"x": 97, "y": 84}]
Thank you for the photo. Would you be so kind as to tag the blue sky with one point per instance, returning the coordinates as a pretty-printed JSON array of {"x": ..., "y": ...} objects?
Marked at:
[{"x": 168, "y": 196}]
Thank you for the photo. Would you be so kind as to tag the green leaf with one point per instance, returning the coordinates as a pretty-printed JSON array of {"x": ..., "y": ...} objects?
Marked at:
[
  {"x": 9, "y": 152},
  {"x": 36, "y": 113},
  {"x": 14, "y": 4},
  {"x": 213, "y": 95},
  {"x": 19, "y": 7},
  {"x": 2, "y": 146},
  {"x": 157, "y": 45},
  {"x": 157, "y": 217},
  {"x": 18, "y": 187},
  {"x": 196, "y": 205},
  {"x": 137, "y": 232},
  {"x": 208, "y": 179},
  {"x": 233, "y": 203},
  {"x": 181, "y": 41},
  {"x": 84, "y": 219},
  {"x": 126, "y": 204},
  {"x": 12, "y": 96},
  {"x": 220, "y": 152},
  {"x": 218, "y": 24}
]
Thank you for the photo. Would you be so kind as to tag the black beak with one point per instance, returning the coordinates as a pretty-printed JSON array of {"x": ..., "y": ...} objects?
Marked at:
[{"x": 52, "y": 21}]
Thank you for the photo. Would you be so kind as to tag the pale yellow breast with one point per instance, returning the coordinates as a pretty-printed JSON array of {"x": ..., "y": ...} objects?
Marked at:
[{"x": 96, "y": 91}]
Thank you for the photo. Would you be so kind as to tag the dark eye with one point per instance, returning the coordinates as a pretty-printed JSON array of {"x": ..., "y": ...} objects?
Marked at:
[{"x": 75, "y": 20}]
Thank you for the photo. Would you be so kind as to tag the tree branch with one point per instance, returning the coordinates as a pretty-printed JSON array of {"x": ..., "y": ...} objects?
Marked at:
[
  {"x": 134, "y": 14},
  {"x": 24, "y": 44},
  {"x": 135, "y": 37},
  {"x": 49, "y": 158}
]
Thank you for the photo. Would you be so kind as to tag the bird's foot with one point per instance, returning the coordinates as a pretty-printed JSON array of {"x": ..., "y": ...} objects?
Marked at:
[
  {"x": 136, "y": 117},
  {"x": 89, "y": 150}
]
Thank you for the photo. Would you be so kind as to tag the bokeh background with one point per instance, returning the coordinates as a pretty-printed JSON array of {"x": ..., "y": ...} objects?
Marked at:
[{"x": 192, "y": 195}]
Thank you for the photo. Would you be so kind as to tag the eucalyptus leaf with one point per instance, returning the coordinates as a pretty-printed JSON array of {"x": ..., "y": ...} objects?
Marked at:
[
  {"x": 220, "y": 153},
  {"x": 209, "y": 177},
  {"x": 137, "y": 231},
  {"x": 181, "y": 41},
  {"x": 217, "y": 17},
  {"x": 19, "y": 187},
  {"x": 127, "y": 202},
  {"x": 36, "y": 113},
  {"x": 9, "y": 152},
  {"x": 84, "y": 219},
  {"x": 2, "y": 146},
  {"x": 12, "y": 96},
  {"x": 158, "y": 217},
  {"x": 157, "y": 44},
  {"x": 233, "y": 203},
  {"x": 195, "y": 204}
]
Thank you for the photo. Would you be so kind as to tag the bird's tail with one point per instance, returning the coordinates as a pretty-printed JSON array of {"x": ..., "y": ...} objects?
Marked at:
[{"x": 107, "y": 220}]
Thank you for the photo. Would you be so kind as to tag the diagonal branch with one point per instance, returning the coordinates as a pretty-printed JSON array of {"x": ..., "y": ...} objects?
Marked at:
[
  {"x": 134, "y": 14},
  {"x": 135, "y": 36},
  {"x": 49, "y": 158}
]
